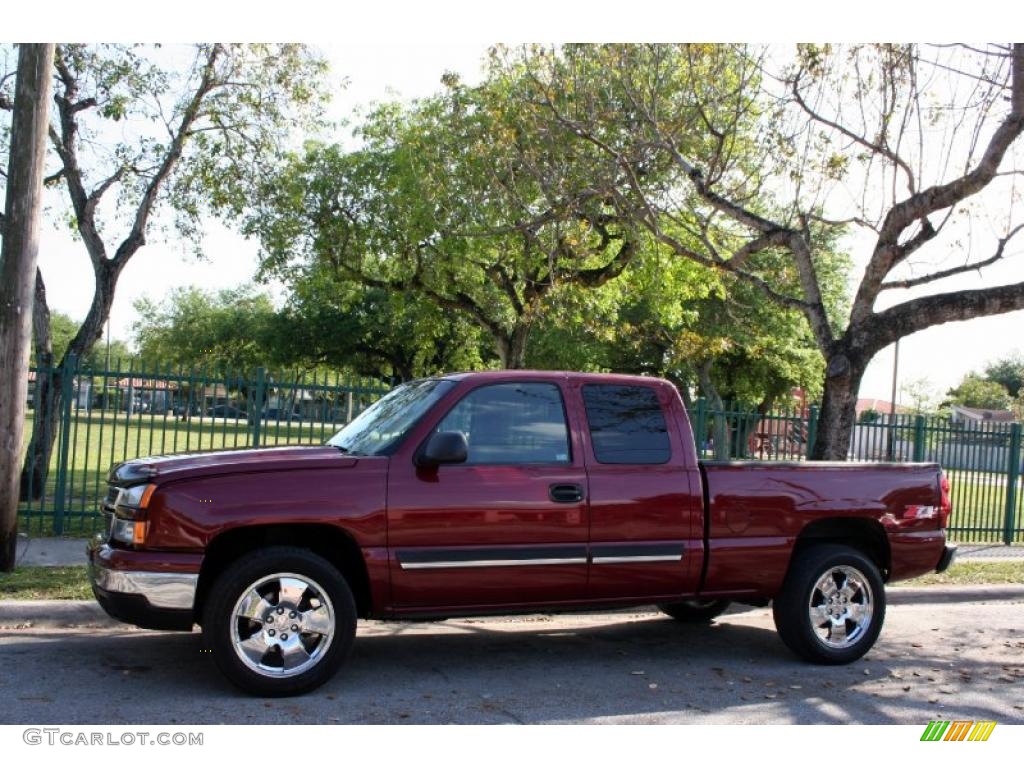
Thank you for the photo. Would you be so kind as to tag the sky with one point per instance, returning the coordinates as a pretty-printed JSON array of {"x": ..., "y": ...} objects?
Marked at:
[{"x": 377, "y": 67}]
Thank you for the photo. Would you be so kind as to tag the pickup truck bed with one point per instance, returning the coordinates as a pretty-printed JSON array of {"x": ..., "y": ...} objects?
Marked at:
[{"x": 495, "y": 492}]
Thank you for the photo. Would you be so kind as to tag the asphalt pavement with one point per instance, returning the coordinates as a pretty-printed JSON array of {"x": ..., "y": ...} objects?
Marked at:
[{"x": 959, "y": 659}]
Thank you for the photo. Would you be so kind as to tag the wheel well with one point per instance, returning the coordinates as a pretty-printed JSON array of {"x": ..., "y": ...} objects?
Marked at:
[
  {"x": 331, "y": 543},
  {"x": 867, "y": 536}
]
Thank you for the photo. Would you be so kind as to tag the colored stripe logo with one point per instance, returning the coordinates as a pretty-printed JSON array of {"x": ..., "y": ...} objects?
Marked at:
[{"x": 958, "y": 730}]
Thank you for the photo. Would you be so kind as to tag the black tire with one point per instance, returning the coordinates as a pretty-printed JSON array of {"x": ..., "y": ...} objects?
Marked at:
[
  {"x": 694, "y": 611},
  {"x": 827, "y": 632},
  {"x": 324, "y": 613}
]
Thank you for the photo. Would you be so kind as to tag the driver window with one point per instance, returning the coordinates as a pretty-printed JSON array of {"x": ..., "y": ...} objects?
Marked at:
[{"x": 512, "y": 424}]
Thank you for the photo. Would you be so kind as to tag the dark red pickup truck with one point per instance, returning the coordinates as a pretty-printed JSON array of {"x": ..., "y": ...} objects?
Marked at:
[{"x": 499, "y": 492}]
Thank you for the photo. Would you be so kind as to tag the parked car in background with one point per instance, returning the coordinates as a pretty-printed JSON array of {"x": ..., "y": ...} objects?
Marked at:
[
  {"x": 225, "y": 412},
  {"x": 279, "y": 415}
]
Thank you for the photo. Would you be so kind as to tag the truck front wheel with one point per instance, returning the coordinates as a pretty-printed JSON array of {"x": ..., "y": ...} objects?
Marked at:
[
  {"x": 831, "y": 606},
  {"x": 279, "y": 621}
]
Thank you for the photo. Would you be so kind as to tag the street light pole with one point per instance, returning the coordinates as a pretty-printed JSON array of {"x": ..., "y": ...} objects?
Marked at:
[{"x": 892, "y": 403}]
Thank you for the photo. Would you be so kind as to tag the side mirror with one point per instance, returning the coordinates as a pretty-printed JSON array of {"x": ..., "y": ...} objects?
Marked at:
[{"x": 443, "y": 448}]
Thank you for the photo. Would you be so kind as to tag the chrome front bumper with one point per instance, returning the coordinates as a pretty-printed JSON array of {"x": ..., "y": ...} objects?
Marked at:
[{"x": 175, "y": 591}]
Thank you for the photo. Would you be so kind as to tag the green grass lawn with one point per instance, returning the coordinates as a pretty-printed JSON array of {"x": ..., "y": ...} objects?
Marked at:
[
  {"x": 38, "y": 582},
  {"x": 973, "y": 572},
  {"x": 979, "y": 501},
  {"x": 35, "y": 582}
]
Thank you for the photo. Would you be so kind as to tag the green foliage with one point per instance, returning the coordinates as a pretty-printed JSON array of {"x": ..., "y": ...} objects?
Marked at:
[
  {"x": 476, "y": 201},
  {"x": 922, "y": 395},
  {"x": 458, "y": 198},
  {"x": 326, "y": 325},
  {"x": 185, "y": 130},
  {"x": 63, "y": 329},
  {"x": 977, "y": 392},
  {"x": 869, "y": 416},
  {"x": 1009, "y": 372},
  {"x": 387, "y": 334},
  {"x": 216, "y": 329},
  {"x": 668, "y": 317}
]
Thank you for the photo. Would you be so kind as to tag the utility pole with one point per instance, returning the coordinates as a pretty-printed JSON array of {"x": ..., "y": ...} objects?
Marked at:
[
  {"x": 892, "y": 404},
  {"x": 18, "y": 256}
]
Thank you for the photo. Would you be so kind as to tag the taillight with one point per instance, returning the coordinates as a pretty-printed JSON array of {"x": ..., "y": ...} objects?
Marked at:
[{"x": 946, "y": 503}]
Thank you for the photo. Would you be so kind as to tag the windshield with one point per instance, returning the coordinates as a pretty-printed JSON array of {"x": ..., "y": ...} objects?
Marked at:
[{"x": 384, "y": 423}]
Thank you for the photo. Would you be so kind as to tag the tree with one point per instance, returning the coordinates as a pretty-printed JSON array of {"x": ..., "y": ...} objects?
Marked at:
[
  {"x": 764, "y": 157},
  {"x": 457, "y": 200},
  {"x": 922, "y": 395},
  {"x": 673, "y": 318},
  {"x": 62, "y": 329},
  {"x": 977, "y": 392},
  {"x": 387, "y": 334},
  {"x": 20, "y": 229},
  {"x": 225, "y": 330},
  {"x": 1008, "y": 371},
  {"x": 199, "y": 129}
]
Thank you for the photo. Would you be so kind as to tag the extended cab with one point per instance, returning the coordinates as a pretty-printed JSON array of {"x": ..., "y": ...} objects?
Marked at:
[{"x": 499, "y": 492}]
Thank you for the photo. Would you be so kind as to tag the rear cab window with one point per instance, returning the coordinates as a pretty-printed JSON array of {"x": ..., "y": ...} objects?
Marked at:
[{"x": 627, "y": 424}]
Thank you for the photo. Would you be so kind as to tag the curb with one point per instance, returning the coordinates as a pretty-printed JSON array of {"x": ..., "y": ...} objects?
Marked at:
[
  {"x": 946, "y": 594},
  {"x": 54, "y": 614},
  {"x": 69, "y": 614}
]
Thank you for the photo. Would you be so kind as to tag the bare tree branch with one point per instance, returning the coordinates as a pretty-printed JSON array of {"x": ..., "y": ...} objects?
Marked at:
[
  {"x": 888, "y": 253},
  {"x": 137, "y": 237},
  {"x": 887, "y": 326},
  {"x": 876, "y": 147},
  {"x": 973, "y": 267}
]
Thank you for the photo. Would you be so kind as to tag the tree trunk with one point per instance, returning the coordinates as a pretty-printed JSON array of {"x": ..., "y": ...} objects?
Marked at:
[
  {"x": 33, "y": 476},
  {"x": 843, "y": 375},
  {"x": 36, "y": 467},
  {"x": 746, "y": 428},
  {"x": 46, "y": 403},
  {"x": 720, "y": 430},
  {"x": 18, "y": 257},
  {"x": 512, "y": 347}
]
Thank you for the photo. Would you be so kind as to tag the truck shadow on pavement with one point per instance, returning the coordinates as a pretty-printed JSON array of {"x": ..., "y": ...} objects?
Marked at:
[{"x": 536, "y": 669}]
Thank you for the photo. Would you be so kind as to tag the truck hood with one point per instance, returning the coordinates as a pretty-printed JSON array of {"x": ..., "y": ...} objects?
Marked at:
[{"x": 159, "y": 469}]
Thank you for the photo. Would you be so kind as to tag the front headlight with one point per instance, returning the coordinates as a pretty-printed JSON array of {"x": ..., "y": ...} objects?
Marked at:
[
  {"x": 126, "y": 525},
  {"x": 136, "y": 497}
]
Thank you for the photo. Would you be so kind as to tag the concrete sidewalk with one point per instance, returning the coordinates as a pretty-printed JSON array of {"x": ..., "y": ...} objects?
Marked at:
[
  {"x": 51, "y": 550},
  {"x": 64, "y": 551}
]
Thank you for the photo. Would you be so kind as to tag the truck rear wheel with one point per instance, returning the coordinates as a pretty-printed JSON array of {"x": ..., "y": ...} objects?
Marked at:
[
  {"x": 831, "y": 606},
  {"x": 279, "y": 621},
  {"x": 694, "y": 611}
]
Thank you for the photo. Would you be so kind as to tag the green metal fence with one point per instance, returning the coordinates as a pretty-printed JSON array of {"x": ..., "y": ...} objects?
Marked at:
[
  {"x": 983, "y": 460},
  {"x": 125, "y": 411}
]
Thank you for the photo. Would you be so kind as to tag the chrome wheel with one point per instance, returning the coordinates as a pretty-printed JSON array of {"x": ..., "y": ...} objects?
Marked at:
[
  {"x": 841, "y": 607},
  {"x": 282, "y": 625}
]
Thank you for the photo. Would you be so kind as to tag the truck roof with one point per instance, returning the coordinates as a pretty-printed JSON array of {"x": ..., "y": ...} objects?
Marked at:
[{"x": 595, "y": 378}]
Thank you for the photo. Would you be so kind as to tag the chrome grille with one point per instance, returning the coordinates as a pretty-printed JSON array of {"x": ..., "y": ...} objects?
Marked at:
[{"x": 107, "y": 506}]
